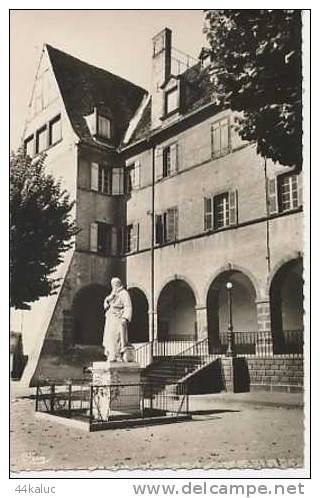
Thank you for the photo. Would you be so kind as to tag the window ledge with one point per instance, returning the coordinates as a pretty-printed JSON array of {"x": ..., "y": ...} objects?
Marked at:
[
  {"x": 105, "y": 194},
  {"x": 47, "y": 148},
  {"x": 169, "y": 114}
]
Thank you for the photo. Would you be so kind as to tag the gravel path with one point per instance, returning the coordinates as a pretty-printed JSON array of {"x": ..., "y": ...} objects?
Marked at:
[{"x": 237, "y": 436}]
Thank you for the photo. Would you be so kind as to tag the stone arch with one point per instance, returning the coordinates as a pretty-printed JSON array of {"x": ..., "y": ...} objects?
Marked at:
[
  {"x": 138, "y": 330},
  {"x": 132, "y": 285},
  {"x": 182, "y": 278},
  {"x": 286, "y": 307},
  {"x": 88, "y": 315},
  {"x": 286, "y": 259},
  {"x": 176, "y": 311},
  {"x": 243, "y": 309},
  {"x": 229, "y": 267}
]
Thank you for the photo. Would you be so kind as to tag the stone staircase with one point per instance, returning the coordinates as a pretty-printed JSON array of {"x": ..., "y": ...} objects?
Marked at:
[{"x": 177, "y": 369}]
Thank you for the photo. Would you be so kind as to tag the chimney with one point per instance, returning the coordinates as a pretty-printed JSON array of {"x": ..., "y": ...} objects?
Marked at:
[{"x": 161, "y": 70}]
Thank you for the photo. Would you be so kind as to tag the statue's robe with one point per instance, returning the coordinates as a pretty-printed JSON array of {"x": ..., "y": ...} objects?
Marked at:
[{"x": 119, "y": 307}]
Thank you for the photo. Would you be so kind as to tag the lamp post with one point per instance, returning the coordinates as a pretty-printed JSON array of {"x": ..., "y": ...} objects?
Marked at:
[{"x": 230, "y": 336}]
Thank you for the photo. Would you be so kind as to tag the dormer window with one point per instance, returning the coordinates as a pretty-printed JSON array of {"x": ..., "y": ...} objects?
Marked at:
[
  {"x": 100, "y": 124},
  {"x": 171, "y": 103},
  {"x": 103, "y": 127}
]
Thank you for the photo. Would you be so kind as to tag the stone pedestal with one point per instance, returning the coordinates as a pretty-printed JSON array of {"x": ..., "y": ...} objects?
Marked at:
[
  {"x": 116, "y": 389},
  {"x": 235, "y": 374},
  {"x": 227, "y": 367}
]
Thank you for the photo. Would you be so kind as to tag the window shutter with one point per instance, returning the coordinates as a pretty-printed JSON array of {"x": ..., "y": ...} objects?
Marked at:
[
  {"x": 272, "y": 195},
  {"x": 121, "y": 180},
  {"x": 128, "y": 180},
  {"x": 159, "y": 229},
  {"x": 135, "y": 237},
  {"x": 300, "y": 189},
  {"x": 159, "y": 164},
  {"x": 208, "y": 213},
  {"x": 176, "y": 223},
  {"x": 114, "y": 240},
  {"x": 117, "y": 181},
  {"x": 94, "y": 176},
  {"x": 171, "y": 224},
  {"x": 233, "y": 207},
  {"x": 95, "y": 122},
  {"x": 94, "y": 237},
  {"x": 215, "y": 139},
  {"x": 137, "y": 174},
  {"x": 174, "y": 158},
  {"x": 224, "y": 135}
]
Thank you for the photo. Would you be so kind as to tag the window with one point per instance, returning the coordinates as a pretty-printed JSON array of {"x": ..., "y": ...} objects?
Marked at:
[
  {"x": 220, "y": 210},
  {"x": 284, "y": 193},
  {"x": 101, "y": 178},
  {"x": 171, "y": 100},
  {"x": 220, "y": 137},
  {"x": 55, "y": 133},
  {"x": 104, "y": 179},
  {"x": 166, "y": 161},
  {"x": 104, "y": 238},
  {"x": 166, "y": 226},
  {"x": 41, "y": 141},
  {"x": 132, "y": 238},
  {"x": 132, "y": 177},
  {"x": 287, "y": 192},
  {"x": 29, "y": 146},
  {"x": 103, "y": 127}
]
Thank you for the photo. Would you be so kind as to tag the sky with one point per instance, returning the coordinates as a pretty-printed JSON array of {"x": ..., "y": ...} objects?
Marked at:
[{"x": 119, "y": 41}]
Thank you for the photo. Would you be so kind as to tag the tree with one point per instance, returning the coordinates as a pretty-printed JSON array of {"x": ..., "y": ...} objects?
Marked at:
[
  {"x": 41, "y": 229},
  {"x": 258, "y": 72}
]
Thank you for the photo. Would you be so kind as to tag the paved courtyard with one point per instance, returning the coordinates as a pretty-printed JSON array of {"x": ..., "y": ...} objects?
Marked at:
[{"x": 221, "y": 435}]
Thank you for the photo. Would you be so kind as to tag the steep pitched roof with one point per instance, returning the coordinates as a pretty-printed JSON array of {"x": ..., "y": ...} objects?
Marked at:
[
  {"x": 84, "y": 87},
  {"x": 197, "y": 90}
]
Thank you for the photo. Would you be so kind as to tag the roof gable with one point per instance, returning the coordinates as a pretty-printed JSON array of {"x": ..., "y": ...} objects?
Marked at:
[
  {"x": 84, "y": 87},
  {"x": 197, "y": 90}
]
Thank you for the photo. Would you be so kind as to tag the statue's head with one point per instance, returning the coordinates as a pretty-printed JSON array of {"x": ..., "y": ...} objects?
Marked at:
[{"x": 116, "y": 283}]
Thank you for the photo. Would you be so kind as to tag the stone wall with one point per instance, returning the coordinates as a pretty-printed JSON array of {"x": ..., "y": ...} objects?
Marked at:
[
  {"x": 277, "y": 373},
  {"x": 249, "y": 374}
]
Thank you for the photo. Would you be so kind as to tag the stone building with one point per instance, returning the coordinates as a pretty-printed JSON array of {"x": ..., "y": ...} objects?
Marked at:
[{"x": 171, "y": 200}]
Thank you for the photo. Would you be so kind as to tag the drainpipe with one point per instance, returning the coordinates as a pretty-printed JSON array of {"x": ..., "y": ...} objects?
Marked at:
[
  {"x": 152, "y": 248},
  {"x": 267, "y": 224}
]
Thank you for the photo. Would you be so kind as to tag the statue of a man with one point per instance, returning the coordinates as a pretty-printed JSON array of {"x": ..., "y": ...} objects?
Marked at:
[{"x": 118, "y": 312}]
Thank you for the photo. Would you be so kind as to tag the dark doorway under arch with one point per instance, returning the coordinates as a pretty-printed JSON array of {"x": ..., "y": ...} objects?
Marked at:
[
  {"x": 138, "y": 330},
  {"x": 176, "y": 311},
  {"x": 88, "y": 315},
  {"x": 286, "y": 302},
  {"x": 244, "y": 312}
]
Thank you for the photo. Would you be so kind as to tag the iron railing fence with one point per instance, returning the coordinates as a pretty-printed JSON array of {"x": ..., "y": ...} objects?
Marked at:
[
  {"x": 246, "y": 343},
  {"x": 288, "y": 342},
  {"x": 162, "y": 347},
  {"x": 108, "y": 403},
  {"x": 260, "y": 343}
]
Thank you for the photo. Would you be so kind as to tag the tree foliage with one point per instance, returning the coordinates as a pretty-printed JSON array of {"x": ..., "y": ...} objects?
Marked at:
[
  {"x": 258, "y": 72},
  {"x": 41, "y": 229}
]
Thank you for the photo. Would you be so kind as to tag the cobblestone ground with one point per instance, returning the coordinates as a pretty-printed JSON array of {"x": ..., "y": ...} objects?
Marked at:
[{"x": 237, "y": 436}]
